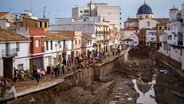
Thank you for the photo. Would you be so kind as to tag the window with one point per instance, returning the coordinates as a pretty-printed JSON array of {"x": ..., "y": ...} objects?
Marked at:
[
  {"x": 75, "y": 42},
  {"x": 37, "y": 43},
  {"x": 20, "y": 66},
  {"x": 45, "y": 24},
  {"x": 79, "y": 41},
  {"x": 152, "y": 38},
  {"x": 7, "y": 48},
  {"x": 47, "y": 47},
  {"x": 160, "y": 28},
  {"x": 51, "y": 45},
  {"x": 17, "y": 46},
  {"x": 40, "y": 24},
  {"x": 64, "y": 44},
  {"x": 148, "y": 23}
]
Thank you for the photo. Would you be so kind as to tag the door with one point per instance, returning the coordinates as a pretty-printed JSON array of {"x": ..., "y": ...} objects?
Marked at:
[
  {"x": 72, "y": 56},
  {"x": 8, "y": 67}
]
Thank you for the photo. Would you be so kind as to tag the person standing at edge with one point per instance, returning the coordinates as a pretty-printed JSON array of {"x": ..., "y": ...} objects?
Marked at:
[{"x": 4, "y": 83}]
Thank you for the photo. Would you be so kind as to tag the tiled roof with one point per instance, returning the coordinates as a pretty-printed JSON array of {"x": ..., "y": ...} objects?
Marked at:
[
  {"x": 87, "y": 37},
  {"x": 71, "y": 33},
  {"x": 161, "y": 19},
  {"x": 7, "y": 35},
  {"x": 58, "y": 36},
  {"x": 132, "y": 19},
  {"x": 130, "y": 28},
  {"x": 3, "y": 13}
]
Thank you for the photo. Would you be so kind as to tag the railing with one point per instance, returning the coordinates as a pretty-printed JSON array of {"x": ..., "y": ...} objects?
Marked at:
[
  {"x": 102, "y": 32},
  {"x": 99, "y": 41},
  {"x": 9, "y": 52}
]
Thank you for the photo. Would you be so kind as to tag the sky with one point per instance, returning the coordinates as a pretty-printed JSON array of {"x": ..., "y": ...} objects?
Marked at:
[{"x": 63, "y": 8}]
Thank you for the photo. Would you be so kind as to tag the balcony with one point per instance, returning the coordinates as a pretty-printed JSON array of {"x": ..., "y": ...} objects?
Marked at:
[
  {"x": 9, "y": 52},
  {"x": 99, "y": 41},
  {"x": 107, "y": 40}
]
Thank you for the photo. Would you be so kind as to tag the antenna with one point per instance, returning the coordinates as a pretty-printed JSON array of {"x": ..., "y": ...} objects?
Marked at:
[
  {"x": 30, "y": 5},
  {"x": 44, "y": 8}
]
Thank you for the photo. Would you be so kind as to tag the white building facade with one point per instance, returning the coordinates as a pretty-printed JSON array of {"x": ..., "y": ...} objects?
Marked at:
[
  {"x": 108, "y": 13},
  {"x": 14, "y": 53},
  {"x": 151, "y": 36},
  {"x": 173, "y": 45}
]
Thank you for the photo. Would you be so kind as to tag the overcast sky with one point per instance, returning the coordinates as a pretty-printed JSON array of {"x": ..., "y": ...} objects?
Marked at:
[{"x": 63, "y": 8}]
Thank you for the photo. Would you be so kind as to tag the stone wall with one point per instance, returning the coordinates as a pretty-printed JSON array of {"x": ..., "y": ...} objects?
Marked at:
[{"x": 164, "y": 60}]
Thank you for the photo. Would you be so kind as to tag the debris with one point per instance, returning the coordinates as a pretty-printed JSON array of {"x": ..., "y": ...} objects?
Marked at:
[
  {"x": 122, "y": 99},
  {"x": 163, "y": 71},
  {"x": 127, "y": 94},
  {"x": 32, "y": 100},
  {"x": 181, "y": 95},
  {"x": 116, "y": 96},
  {"x": 129, "y": 99}
]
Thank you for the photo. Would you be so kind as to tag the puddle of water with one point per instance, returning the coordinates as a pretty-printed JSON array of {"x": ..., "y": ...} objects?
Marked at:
[{"x": 145, "y": 90}]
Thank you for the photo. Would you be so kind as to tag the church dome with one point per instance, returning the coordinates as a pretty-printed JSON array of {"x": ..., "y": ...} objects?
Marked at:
[{"x": 144, "y": 9}]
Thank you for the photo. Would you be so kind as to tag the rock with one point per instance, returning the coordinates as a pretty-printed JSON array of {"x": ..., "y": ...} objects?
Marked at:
[
  {"x": 119, "y": 93},
  {"x": 116, "y": 96},
  {"x": 129, "y": 99},
  {"x": 122, "y": 99},
  {"x": 32, "y": 100},
  {"x": 127, "y": 94}
]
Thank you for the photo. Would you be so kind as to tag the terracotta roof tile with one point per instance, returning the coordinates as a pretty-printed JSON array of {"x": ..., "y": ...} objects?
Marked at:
[
  {"x": 130, "y": 28},
  {"x": 7, "y": 35},
  {"x": 3, "y": 13},
  {"x": 87, "y": 37},
  {"x": 161, "y": 19},
  {"x": 58, "y": 36}
]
